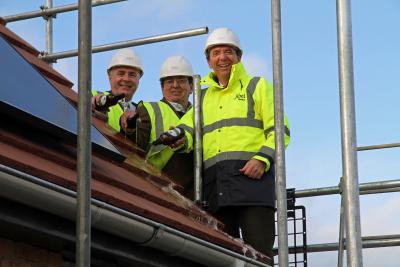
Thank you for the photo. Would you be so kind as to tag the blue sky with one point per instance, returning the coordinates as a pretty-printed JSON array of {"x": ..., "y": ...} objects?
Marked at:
[{"x": 311, "y": 90}]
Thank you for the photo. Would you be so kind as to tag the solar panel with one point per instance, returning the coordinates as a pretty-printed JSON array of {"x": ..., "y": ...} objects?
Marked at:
[{"x": 24, "y": 90}]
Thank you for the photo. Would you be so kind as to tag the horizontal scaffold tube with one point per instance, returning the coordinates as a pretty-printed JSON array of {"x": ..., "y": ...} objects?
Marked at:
[
  {"x": 47, "y": 12},
  {"x": 367, "y": 242},
  {"x": 365, "y": 188},
  {"x": 135, "y": 42}
]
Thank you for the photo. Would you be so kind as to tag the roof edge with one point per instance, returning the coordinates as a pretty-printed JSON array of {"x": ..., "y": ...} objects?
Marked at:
[{"x": 26, "y": 189}]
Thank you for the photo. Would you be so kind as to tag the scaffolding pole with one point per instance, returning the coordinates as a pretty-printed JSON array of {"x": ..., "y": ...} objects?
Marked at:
[
  {"x": 342, "y": 227},
  {"x": 380, "y": 241},
  {"x": 283, "y": 257},
  {"x": 198, "y": 147},
  {"x": 380, "y": 191},
  {"x": 367, "y": 242},
  {"x": 365, "y": 188},
  {"x": 49, "y": 29},
  {"x": 363, "y": 148},
  {"x": 130, "y": 43},
  {"x": 84, "y": 152},
  {"x": 49, "y": 12},
  {"x": 349, "y": 141}
]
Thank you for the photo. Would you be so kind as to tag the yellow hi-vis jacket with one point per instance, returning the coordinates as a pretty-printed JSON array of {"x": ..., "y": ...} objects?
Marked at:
[
  {"x": 162, "y": 117},
  {"x": 114, "y": 113},
  {"x": 237, "y": 121}
]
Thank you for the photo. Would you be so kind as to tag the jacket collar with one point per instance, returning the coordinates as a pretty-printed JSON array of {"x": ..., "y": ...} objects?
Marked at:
[
  {"x": 237, "y": 73},
  {"x": 177, "y": 106}
]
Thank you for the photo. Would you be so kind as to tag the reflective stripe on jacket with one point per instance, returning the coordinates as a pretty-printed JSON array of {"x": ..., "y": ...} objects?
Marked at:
[{"x": 162, "y": 117}]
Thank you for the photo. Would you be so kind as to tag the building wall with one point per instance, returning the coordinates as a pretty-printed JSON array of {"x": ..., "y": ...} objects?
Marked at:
[{"x": 15, "y": 254}]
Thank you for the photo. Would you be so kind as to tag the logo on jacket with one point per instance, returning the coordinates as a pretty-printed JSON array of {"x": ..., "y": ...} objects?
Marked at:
[{"x": 241, "y": 97}]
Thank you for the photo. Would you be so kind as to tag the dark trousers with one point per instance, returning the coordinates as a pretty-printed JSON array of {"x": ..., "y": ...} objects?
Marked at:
[{"x": 256, "y": 222}]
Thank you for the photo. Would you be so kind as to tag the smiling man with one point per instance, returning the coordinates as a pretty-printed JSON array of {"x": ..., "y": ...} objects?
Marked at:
[
  {"x": 151, "y": 119},
  {"x": 238, "y": 143},
  {"x": 124, "y": 72}
]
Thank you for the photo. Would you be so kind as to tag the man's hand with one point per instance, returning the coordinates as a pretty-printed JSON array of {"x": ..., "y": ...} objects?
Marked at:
[
  {"x": 174, "y": 137},
  {"x": 95, "y": 101},
  {"x": 178, "y": 143},
  {"x": 254, "y": 168},
  {"x": 125, "y": 118},
  {"x": 102, "y": 102}
]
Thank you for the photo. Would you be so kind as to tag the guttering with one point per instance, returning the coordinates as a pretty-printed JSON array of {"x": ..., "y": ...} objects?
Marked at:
[{"x": 40, "y": 194}]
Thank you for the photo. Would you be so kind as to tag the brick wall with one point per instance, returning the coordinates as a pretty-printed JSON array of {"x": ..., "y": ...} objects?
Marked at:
[{"x": 14, "y": 254}]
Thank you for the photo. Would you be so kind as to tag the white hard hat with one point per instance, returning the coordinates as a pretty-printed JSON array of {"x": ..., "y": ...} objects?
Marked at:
[
  {"x": 222, "y": 36},
  {"x": 176, "y": 66},
  {"x": 126, "y": 57}
]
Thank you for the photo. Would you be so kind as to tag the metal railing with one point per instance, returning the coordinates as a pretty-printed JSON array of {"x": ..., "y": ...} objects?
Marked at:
[
  {"x": 367, "y": 242},
  {"x": 198, "y": 142},
  {"x": 280, "y": 169},
  {"x": 363, "y": 148},
  {"x": 49, "y": 28},
  {"x": 142, "y": 41},
  {"x": 365, "y": 188},
  {"x": 48, "y": 11},
  {"x": 84, "y": 151}
]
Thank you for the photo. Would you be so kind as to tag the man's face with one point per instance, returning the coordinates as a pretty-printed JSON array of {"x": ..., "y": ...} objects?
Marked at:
[
  {"x": 124, "y": 80},
  {"x": 221, "y": 59},
  {"x": 177, "y": 89}
]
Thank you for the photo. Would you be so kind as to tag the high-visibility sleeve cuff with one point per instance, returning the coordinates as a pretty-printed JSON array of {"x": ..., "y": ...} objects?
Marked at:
[{"x": 266, "y": 161}]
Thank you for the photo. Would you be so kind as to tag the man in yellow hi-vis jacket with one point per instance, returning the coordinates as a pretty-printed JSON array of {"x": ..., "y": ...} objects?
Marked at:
[
  {"x": 238, "y": 143},
  {"x": 124, "y": 72}
]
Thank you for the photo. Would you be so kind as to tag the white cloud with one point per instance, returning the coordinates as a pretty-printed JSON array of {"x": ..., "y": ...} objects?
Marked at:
[
  {"x": 31, "y": 31},
  {"x": 69, "y": 69},
  {"x": 256, "y": 66},
  {"x": 380, "y": 214},
  {"x": 388, "y": 257}
]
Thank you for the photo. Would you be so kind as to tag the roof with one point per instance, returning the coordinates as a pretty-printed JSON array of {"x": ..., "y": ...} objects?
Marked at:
[{"x": 132, "y": 185}]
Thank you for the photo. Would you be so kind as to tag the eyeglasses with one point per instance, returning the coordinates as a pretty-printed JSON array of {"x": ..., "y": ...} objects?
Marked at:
[{"x": 171, "y": 81}]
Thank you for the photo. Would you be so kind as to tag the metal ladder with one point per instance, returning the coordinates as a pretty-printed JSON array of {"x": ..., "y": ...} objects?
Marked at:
[{"x": 297, "y": 231}]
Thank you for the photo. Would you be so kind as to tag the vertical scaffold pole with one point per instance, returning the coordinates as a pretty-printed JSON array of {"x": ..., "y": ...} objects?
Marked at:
[
  {"x": 349, "y": 141},
  {"x": 279, "y": 135},
  {"x": 84, "y": 152},
  {"x": 49, "y": 29},
  {"x": 341, "y": 233},
  {"x": 198, "y": 140}
]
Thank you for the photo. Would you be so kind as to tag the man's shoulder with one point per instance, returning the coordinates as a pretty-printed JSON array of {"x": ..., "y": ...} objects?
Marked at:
[
  {"x": 152, "y": 106},
  {"x": 261, "y": 83}
]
